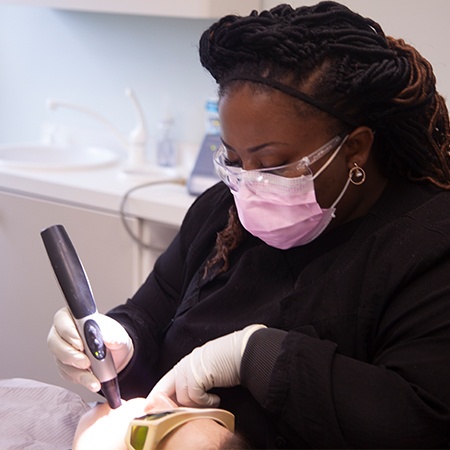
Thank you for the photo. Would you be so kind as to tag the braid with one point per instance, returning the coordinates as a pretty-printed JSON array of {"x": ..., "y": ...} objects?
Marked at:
[
  {"x": 345, "y": 62},
  {"x": 227, "y": 240},
  {"x": 277, "y": 40},
  {"x": 416, "y": 128}
]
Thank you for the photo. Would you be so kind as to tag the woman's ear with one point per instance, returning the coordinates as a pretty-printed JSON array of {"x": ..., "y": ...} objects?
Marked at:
[{"x": 358, "y": 146}]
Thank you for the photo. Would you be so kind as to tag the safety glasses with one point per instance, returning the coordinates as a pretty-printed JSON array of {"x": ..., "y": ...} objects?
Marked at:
[
  {"x": 232, "y": 175},
  {"x": 144, "y": 433}
]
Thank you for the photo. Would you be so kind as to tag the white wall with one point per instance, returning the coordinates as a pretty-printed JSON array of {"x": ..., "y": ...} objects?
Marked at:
[{"x": 91, "y": 58}]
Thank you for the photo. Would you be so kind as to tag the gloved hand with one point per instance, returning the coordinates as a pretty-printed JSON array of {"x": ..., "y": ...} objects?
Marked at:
[
  {"x": 65, "y": 343},
  {"x": 215, "y": 364}
]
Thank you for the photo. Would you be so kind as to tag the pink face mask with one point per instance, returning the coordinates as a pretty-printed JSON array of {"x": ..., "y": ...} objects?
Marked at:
[{"x": 281, "y": 211}]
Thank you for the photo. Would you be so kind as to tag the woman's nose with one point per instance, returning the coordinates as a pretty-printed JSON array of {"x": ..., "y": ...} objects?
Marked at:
[{"x": 250, "y": 164}]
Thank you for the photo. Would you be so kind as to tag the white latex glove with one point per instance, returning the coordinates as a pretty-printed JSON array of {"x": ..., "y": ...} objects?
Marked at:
[
  {"x": 215, "y": 364},
  {"x": 65, "y": 343}
]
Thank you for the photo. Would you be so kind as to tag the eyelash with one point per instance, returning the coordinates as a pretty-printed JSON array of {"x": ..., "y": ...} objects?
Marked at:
[
  {"x": 238, "y": 163},
  {"x": 230, "y": 163}
]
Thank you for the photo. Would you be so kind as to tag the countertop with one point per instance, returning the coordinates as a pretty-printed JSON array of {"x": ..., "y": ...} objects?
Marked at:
[{"x": 104, "y": 189}]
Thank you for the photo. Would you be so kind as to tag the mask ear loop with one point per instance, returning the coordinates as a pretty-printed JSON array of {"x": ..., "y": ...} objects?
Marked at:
[{"x": 330, "y": 159}]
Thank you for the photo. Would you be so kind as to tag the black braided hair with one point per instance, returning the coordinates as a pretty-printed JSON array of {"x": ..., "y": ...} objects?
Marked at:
[{"x": 345, "y": 61}]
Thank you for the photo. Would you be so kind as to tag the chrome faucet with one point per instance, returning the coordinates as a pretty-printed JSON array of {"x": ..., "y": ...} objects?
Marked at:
[{"x": 134, "y": 144}]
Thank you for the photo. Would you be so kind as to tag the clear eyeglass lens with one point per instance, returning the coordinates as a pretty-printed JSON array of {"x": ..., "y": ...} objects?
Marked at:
[{"x": 232, "y": 175}]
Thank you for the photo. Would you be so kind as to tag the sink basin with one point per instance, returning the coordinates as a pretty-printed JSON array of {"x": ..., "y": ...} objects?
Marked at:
[{"x": 55, "y": 157}]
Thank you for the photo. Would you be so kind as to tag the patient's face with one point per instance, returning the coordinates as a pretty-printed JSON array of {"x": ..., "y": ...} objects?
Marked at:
[{"x": 105, "y": 428}]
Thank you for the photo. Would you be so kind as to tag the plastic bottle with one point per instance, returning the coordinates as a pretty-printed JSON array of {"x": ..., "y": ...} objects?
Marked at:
[
  {"x": 166, "y": 153},
  {"x": 212, "y": 125}
]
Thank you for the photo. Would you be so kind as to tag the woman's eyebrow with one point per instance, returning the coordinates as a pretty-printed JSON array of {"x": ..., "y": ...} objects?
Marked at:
[{"x": 255, "y": 148}]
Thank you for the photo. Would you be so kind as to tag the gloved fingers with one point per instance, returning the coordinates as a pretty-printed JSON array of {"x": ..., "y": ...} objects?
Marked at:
[
  {"x": 159, "y": 401},
  {"x": 181, "y": 382},
  {"x": 184, "y": 385},
  {"x": 113, "y": 333},
  {"x": 78, "y": 376},
  {"x": 195, "y": 382},
  {"x": 216, "y": 363},
  {"x": 174, "y": 384},
  {"x": 121, "y": 357},
  {"x": 66, "y": 329},
  {"x": 197, "y": 396},
  {"x": 191, "y": 394},
  {"x": 166, "y": 386},
  {"x": 65, "y": 352},
  {"x": 117, "y": 340},
  {"x": 209, "y": 400}
]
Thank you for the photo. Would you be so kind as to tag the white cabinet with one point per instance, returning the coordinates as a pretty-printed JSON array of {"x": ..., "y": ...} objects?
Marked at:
[
  {"x": 200, "y": 9},
  {"x": 29, "y": 293}
]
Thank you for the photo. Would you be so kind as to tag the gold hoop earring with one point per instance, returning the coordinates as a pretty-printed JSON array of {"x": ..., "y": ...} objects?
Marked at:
[{"x": 357, "y": 175}]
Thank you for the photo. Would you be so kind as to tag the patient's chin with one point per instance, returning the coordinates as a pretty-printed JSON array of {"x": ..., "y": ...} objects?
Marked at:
[{"x": 105, "y": 428}]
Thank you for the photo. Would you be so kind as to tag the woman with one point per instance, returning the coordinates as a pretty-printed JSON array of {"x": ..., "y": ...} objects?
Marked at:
[{"x": 312, "y": 283}]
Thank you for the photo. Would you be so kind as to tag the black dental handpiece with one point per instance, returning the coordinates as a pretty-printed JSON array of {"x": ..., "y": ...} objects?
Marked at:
[{"x": 76, "y": 288}]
